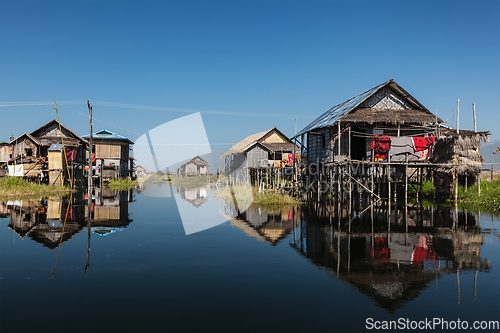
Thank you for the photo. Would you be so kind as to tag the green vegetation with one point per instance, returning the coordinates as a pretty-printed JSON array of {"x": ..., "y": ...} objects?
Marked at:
[
  {"x": 489, "y": 198},
  {"x": 122, "y": 184},
  {"x": 19, "y": 187},
  {"x": 270, "y": 198}
]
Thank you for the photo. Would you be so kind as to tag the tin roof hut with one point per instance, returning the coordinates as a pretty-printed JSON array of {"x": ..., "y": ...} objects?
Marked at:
[
  {"x": 196, "y": 166},
  {"x": 345, "y": 130},
  {"x": 114, "y": 152},
  {"x": 259, "y": 147}
]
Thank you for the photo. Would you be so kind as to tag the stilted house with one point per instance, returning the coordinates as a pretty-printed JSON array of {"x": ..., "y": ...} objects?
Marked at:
[
  {"x": 30, "y": 152},
  {"x": 194, "y": 167},
  {"x": 265, "y": 149},
  {"x": 363, "y": 128},
  {"x": 112, "y": 153}
]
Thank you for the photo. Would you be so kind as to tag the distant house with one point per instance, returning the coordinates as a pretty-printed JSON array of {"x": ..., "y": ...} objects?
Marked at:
[
  {"x": 5, "y": 152},
  {"x": 194, "y": 167},
  {"x": 497, "y": 151},
  {"x": 140, "y": 170},
  {"x": 5, "y": 156},
  {"x": 113, "y": 152},
  {"x": 261, "y": 150},
  {"x": 30, "y": 152}
]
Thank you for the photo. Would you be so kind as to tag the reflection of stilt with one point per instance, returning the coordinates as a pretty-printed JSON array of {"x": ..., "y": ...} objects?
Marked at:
[
  {"x": 89, "y": 226},
  {"x": 437, "y": 273},
  {"x": 458, "y": 284},
  {"x": 475, "y": 283},
  {"x": 62, "y": 234}
]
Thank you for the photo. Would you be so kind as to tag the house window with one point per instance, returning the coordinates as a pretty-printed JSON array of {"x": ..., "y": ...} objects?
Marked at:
[
  {"x": 323, "y": 141},
  {"x": 274, "y": 156},
  {"x": 29, "y": 151}
]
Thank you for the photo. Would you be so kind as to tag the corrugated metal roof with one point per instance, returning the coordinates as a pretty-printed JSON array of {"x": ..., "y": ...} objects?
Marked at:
[
  {"x": 336, "y": 112},
  {"x": 55, "y": 147},
  {"x": 105, "y": 134}
]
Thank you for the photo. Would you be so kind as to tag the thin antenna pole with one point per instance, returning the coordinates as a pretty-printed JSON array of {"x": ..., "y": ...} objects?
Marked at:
[
  {"x": 474, "y": 113},
  {"x": 458, "y": 116}
]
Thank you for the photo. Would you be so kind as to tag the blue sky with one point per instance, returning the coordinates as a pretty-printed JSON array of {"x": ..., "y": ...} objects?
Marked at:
[{"x": 250, "y": 65}]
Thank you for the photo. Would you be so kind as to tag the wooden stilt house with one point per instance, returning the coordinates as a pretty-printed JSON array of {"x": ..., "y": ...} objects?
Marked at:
[
  {"x": 346, "y": 131},
  {"x": 30, "y": 152},
  {"x": 196, "y": 166},
  {"x": 112, "y": 154}
]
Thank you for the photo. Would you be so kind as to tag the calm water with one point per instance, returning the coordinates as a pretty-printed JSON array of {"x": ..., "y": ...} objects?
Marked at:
[{"x": 294, "y": 269}]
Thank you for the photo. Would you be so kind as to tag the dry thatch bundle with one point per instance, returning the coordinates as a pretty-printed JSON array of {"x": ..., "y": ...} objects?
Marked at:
[{"x": 460, "y": 153}]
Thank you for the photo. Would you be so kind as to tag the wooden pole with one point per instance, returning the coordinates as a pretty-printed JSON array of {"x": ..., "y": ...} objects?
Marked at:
[
  {"x": 89, "y": 190},
  {"x": 349, "y": 152},
  {"x": 479, "y": 184},
  {"x": 338, "y": 129},
  {"x": 474, "y": 113}
]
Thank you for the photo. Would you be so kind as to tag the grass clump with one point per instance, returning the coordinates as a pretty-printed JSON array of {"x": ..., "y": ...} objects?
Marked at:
[
  {"x": 122, "y": 184},
  {"x": 19, "y": 187},
  {"x": 245, "y": 194}
]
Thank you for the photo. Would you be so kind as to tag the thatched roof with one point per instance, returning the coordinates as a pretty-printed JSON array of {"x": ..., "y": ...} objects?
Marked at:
[
  {"x": 386, "y": 103},
  {"x": 447, "y": 131},
  {"x": 458, "y": 153},
  {"x": 371, "y": 116}
]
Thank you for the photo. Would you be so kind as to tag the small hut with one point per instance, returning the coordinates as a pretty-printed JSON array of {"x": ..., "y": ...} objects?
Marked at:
[
  {"x": 459, "y": 152},
  {"x": 194, "y": 167},
  {"x": 497, "y": 151}
]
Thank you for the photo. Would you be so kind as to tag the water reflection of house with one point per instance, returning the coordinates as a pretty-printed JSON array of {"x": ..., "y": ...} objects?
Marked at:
[
  {"x": 196, "y": 197},
  {"x": 265, "y": 225},
  {"x": 391, "y": 266},
  {"x": 110, "y": 212},
  {"x": 22, "y": 215},
  {"x": 42, "y": 221}
]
